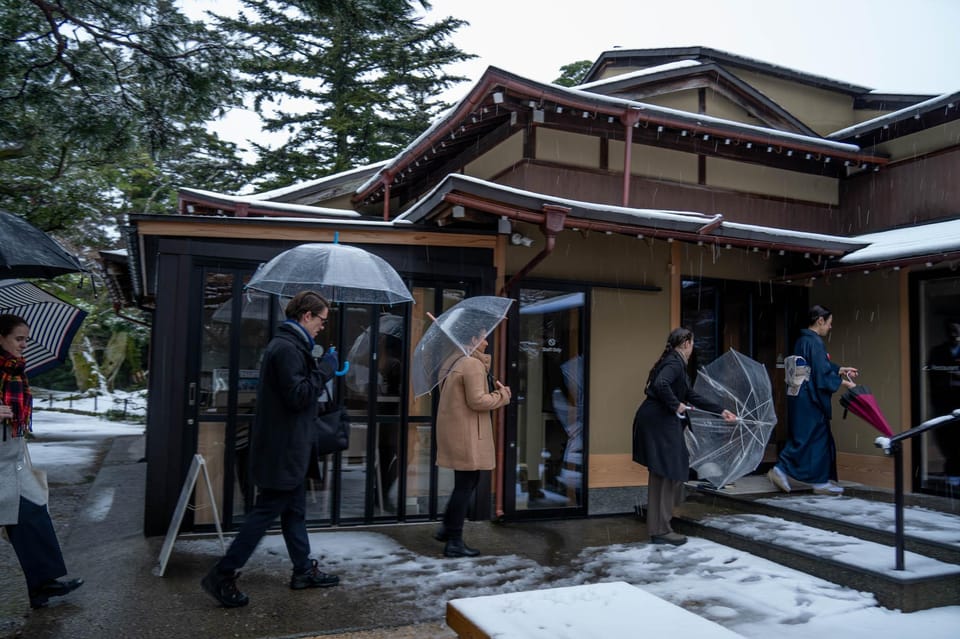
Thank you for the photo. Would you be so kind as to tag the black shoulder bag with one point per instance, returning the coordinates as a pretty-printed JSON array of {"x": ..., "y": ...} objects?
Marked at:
[{"x": 332, "y": 427}]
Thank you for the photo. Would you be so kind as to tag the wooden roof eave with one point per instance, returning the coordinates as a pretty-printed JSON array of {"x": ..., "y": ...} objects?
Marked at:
[
  {"x": 497, "y": 81},
  {"x": 711, "y": 75},
  {"x": 835, "y": 269},
  {"x": 705, "y": 233}
]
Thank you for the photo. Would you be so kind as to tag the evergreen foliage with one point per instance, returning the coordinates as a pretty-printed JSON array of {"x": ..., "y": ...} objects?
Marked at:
[
  {"x": 572, "y": 74},
  {"x": 349, "y": 82},
  {"x": 85, "y": 87}
]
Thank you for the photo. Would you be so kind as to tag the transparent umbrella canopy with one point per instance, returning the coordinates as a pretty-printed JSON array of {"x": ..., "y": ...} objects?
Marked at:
[
  {"x": 453, "y": 335},
  {"x": 723, "y": 452},
  {"x": 339, "y": 272}
]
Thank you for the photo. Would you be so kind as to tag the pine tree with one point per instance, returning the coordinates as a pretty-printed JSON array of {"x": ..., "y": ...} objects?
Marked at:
[
  {"x": 87, "y": 85},
  {"x": 349, "y": 81}
]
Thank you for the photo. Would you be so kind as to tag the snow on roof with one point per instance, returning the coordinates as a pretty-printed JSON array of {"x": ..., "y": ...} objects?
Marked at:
[
  {"x": 660, "y": 68},
  {"x": 687, "y": 221},
  {"x": 695, "y": 119},
  {"x": 947, "y": 101},
  {"x": 300, "y": 186},
  {"x": 912, "y": 241},
  {"x": 273, "y": 206}
]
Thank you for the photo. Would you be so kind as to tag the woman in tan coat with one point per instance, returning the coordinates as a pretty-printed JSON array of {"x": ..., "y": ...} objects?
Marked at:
[{"x": 465, "y": 438}]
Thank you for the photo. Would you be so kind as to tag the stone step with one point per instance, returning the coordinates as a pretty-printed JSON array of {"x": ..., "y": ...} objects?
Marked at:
[
  {"x": 846, "y": 540},
  {"x": 931, "y": 524}
]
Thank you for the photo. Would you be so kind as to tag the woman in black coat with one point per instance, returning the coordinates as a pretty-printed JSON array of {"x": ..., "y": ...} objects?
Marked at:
[{"x": 658, "y": 433}]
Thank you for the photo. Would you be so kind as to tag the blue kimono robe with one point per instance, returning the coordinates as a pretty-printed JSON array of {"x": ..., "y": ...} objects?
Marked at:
[{"x": 810, "y": 453}]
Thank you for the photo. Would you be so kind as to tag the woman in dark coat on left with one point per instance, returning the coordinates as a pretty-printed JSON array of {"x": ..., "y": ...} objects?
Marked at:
[
  {"x": 658, "y": 440},
  {"x": 23, "y": 492}
]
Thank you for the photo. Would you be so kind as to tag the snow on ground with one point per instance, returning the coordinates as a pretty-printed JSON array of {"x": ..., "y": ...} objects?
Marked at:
[
  {"x": 918, "y": 522},
  {"x": 742, "y": 592}
]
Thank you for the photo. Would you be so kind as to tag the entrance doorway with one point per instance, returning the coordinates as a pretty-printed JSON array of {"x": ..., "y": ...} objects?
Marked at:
[{"x": 546, "y": 452}]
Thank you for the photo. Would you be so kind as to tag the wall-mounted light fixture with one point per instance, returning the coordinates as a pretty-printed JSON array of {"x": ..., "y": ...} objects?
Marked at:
[
  {"x": 504, "y": 226},
  {"x": 459, "y": 211},
  {"x": 518, "y": 239}
]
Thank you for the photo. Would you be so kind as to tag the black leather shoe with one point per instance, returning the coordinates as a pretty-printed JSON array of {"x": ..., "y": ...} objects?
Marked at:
[
  {"x": 313, "y": 578},
  {"x": 441, "y": 534},
  {"x": 456, "y": 548},
  {"x": 224, "y": 589},
  {"x": 672, "y": 538},
  {"x": 53, "y": 588}
]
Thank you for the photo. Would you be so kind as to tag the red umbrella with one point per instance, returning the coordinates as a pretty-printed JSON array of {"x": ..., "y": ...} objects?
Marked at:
[{"x": 861, "y": 402}]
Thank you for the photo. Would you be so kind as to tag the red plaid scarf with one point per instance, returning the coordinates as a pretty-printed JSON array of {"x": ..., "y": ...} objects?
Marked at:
[{"x": 15, "y": 393}]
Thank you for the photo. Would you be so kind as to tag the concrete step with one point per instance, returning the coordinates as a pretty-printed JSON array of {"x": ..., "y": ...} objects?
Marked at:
[
  {"x": 931, "y": 524},
  {"x": 847, "y": 540}
]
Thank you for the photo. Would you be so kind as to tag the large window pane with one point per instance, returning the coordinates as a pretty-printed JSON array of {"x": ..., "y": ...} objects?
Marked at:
[{"x": 550, "y": 400}]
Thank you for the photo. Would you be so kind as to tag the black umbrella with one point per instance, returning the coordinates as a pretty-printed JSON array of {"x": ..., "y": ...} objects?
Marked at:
[
  {"x": 53, "y": 323},
  {"x": 28, "y": 252}
]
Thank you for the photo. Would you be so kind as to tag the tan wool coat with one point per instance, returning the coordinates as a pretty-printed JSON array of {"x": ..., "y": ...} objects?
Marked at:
[{"x": 464, "y": 427}]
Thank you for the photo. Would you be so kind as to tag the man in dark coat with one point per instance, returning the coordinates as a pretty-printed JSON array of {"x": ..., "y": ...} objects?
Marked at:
[
  {"x": 658, "y": 440},
  {"x": 281, "y": 450},
  {"x": 810, "y": 454}
]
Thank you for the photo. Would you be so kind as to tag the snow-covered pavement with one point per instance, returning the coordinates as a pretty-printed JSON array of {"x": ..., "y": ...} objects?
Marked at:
[{"x": 742, "y": 592}]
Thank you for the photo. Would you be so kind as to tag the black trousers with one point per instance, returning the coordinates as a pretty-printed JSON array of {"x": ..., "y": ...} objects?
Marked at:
[
  {"x": 35, "y": 542},
  {"x": 464, "y": 483},
  {"x": 291, "y": 507}
]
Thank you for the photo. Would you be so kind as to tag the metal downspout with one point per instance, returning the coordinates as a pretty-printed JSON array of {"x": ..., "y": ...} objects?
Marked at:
[
  {"x": 553, "y": 221},
  {"x": 387, "y": 179},
  {"x": 629, "y": 119}
]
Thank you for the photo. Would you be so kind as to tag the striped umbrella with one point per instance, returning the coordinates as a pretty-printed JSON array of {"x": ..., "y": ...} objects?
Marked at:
[{"x": 53, "y": 322}]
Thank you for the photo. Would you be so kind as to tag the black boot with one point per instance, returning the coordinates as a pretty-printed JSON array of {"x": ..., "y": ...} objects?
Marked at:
[
  {"x": 223, "y": 588},
  {"x": 53, "y": 588},
  {"x": 456, "y": 548},
  {"x": 441, "y": 534}
]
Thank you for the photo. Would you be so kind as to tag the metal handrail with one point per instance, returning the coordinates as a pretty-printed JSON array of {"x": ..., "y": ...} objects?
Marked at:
[{"x": 893, "y": 446}]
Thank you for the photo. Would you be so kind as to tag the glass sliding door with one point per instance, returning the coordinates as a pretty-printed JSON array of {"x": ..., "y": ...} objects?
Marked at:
[
  {"x": 549, "y": 454},
  {"x": 938, "y": 320},
  {"x": 235, "y": 328}
]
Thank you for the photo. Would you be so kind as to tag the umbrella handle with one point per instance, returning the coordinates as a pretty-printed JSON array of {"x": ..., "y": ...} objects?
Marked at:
[{"x": 343, "y": 371}]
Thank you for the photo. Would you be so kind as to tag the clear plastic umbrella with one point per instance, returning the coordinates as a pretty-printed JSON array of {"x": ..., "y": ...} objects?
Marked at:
[
  {"x": 339, "y": 272},
  {"x": 723, "y": 452},
  {"x": 452, "y": 336}
]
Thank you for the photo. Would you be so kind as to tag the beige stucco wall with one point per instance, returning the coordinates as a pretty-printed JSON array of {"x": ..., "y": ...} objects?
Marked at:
[
  {"x": 718, "y": 262},
  {"x": 497, "y": 159},
  {"x": 911, "y": 146},
  {"x": 719, "y": 106},
  {"x": 628, "y": 329},
  {"x": 866, "y": 334},
  {"x": 821, "y": 110},
  {"x": 568, "y": 148},
  {"x": 651, "y": 161},
  {"x": 684, "y": 100},
  {"x": 755, "y": 178},
  {"x": 594, "y": 257}
]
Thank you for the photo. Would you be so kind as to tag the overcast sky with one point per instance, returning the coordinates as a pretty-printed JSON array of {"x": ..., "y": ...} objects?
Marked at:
[
  {"x": 900, "y": 46},
  {"x": 897, "y": 46}
]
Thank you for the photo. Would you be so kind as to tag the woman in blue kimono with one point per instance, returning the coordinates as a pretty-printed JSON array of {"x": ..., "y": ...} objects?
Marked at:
[{"x": 810, "y": 454}]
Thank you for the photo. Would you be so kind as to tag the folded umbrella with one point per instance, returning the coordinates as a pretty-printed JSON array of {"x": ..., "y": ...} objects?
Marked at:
[
  {"x": 861, "y": 402},
  {"x": 53, "y": 323}
]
